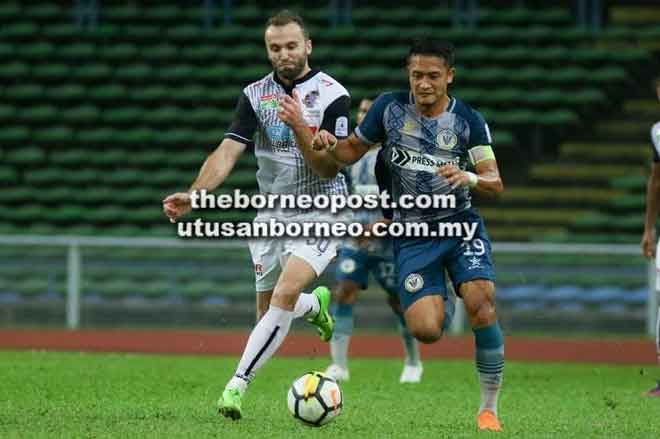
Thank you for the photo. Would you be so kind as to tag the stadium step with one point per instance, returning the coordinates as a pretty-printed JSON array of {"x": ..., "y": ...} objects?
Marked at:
[
  {"x": 624, "y": 129},
  {"x": 559, "y": 196},
  {"x": 634, "y": 15},
  {"x": 594, "y": 174},
  {"x": 606, "y": 152}
]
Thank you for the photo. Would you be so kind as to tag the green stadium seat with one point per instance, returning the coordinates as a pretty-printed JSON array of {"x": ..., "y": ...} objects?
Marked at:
[
  {"x": 54, "y": 136},
  {"x": 122, "y": 177},
  {"x": 212, "y": 75},
  {"x": 160, "y": 53},
  {"x": 24, "y": 93},
  {"x": 141, "y": 33},
  {"x": 176, "y": 74},
  {"x": 14, "y": 135},
  {"x": 154, "y": 94},
  {"x": 128, "y": 13},
  {"x": 122, "y": 116},
  {"x": 18, "y": 31},
  {"x": 202, "y": 54},
  {"x": 77, "y": 53},
  {"x": 36, "y": 52},
  {"x": 83, "y": 115},
  {"x": 108, "y": 94},
  {"x": 92, "y": 73},
  {"x": 69, "y": 94},
  {"x": 7, "y": 113},
  {"x": 97, "y": 137},
  {"x": 63, "y": 215},
  {"x": 163, "y": 15},
  {"x": 163, "y": 116},
  {"x": 97, "y": 195},
  {"x": 108, "y": 158},
  {"x": 72, "y": 157},
  {"x": 11, "y": 196},
  {"x": 26, "y": 156},
  {"x": 185, "y": 35},
  {"x": 8, "y": 175},
  {"x": 9, "y": 12},
  {"x": 136, "y": 137},
  {"x": 119, "y": 53},
  {"x": 136, "y": 74},
  {"x": 6, "y": 51},
  {"x": 202, "y": 117},
  {"x": 146, "y": 215},
  {"x": 43, "y": 114},
  {"x": 103, "y": 215},
  {"x": 45, "y": 12},
  {"x": 13, "y": 70},
  {"x": 188, "y": 94},
  {"x": 105, "y": 33},
  {"x": 61, "y": 33}
]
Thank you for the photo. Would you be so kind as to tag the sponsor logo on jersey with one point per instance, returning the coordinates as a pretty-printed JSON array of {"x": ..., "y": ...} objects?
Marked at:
[
  {"x": 341, "y": 127},
  {"x": 414, "y": 282},
  {"x": 268, "y": 102},
  {"x": 447, "y": 139},
  {"x": 327, "y": 83},
  {"x": 419, "y": 162}
]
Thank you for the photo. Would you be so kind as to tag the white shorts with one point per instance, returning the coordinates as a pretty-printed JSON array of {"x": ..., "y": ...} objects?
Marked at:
[{"x": 269, "y": 255}]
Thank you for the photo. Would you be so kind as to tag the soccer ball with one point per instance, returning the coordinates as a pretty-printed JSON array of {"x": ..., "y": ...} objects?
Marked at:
[{"x": 315, "y": 399}]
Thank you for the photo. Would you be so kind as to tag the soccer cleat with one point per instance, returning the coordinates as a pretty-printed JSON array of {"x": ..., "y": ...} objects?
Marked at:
[
  {"x": 337, "y": 372},
  {"x": 323, "y": 320},
  {"x": 654, "y": 392},
  {"x": 229, "y": 404},
  {"x": 487, "y": 421},
  {"x": 411, "y": 373}
]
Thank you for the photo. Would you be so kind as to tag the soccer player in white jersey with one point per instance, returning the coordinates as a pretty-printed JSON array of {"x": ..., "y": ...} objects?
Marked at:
[
  {"x": 355, "y": 261},
  {"x": 429, "y": 141},
  {"x": 649, "y": 246},
  {"x": 283, "y": 267}
]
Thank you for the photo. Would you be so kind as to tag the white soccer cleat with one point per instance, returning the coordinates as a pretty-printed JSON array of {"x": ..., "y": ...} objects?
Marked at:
[
  {"x": 411, "y": 373},
  {"x": 337, "y": 372}
]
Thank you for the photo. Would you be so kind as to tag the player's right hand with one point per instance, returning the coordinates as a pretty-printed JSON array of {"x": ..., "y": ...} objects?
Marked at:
[
  {"x": 648, "y": 243},
  {"x": 323, "y": 141},
  {"x": 177, "y": 205}
]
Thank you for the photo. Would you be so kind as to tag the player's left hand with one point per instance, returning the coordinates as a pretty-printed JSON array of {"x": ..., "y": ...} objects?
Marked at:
[
  {"x": 455, "y": 177},
  {"x": 290, "y": 111}
]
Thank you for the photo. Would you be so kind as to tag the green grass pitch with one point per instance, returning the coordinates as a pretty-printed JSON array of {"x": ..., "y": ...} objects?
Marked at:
[{"x": 71, "y": 395}]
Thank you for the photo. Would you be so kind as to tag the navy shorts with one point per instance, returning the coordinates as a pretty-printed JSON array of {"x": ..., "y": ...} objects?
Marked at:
[
  {"x": 355, "y": 265},
  {"x": 422, "y": 262}
]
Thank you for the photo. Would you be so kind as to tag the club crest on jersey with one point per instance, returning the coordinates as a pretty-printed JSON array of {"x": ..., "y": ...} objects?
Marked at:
[
  {"x": 347, "y": 266},
  {"x": 414, "y": 282},
  {"x": 258, "y": 269},
  {"x": 311, "y": 99},
  {"x": 446, "y": 139}
]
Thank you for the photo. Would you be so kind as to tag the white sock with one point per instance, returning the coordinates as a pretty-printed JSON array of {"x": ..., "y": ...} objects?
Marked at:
[
  {"x": 265, "y": 339},
  {"x": 410, "y": 346},
  {"x": 306, "y": 306},
  {"x": 339, "y": 349}
]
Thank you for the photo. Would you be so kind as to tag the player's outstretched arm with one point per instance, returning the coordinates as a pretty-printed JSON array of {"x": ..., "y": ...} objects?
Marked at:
[
  {"x": 213, "y": 173},
  {"x": 652, "y": 207},
  {"x": 345, "y": 151},
  {"x": 485, "y": 180}
]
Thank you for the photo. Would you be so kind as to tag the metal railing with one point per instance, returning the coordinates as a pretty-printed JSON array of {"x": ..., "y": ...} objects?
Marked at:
[{"x": 73, "y": 244}]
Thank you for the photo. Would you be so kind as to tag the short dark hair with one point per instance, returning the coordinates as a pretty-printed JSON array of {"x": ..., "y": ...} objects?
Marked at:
[
  {"x": 285, "y": 17},
  {"x": 432, "y": 47}
]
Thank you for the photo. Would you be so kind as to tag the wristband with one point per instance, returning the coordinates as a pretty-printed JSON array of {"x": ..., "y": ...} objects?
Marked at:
[{"x": 473, "y": 179}]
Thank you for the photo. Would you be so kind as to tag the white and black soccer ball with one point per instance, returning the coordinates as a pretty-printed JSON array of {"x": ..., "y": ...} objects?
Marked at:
[{"x": 315, "y": 399}]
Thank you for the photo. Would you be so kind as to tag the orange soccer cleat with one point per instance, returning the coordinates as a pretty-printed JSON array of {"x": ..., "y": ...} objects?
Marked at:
[{"x": 487, "y": 421}]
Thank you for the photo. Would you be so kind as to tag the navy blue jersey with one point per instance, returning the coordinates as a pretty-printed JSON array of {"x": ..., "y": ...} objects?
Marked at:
[{"x": 415, "y": 146}]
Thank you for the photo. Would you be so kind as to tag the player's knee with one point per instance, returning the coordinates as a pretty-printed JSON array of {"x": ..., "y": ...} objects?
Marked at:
[
  {"x": 285, "y": 295},
  {"x": 482, "y": 313},
  {"x": 345, "y": 294},
  {"x": 426, "y": 332}
]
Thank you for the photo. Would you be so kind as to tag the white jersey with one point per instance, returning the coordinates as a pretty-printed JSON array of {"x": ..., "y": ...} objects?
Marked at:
[
  {"x": 282, "y": 168},
  {"x": 655, "y": 139}
]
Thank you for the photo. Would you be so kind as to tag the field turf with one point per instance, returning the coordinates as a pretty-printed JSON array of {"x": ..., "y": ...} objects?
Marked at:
[{"x": 71, "y": 395}]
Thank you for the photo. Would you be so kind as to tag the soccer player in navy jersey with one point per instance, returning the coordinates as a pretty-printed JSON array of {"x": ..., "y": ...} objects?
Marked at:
[
  {"x": 429, "y": 139},
  {"x": 649, "y": 247}
]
